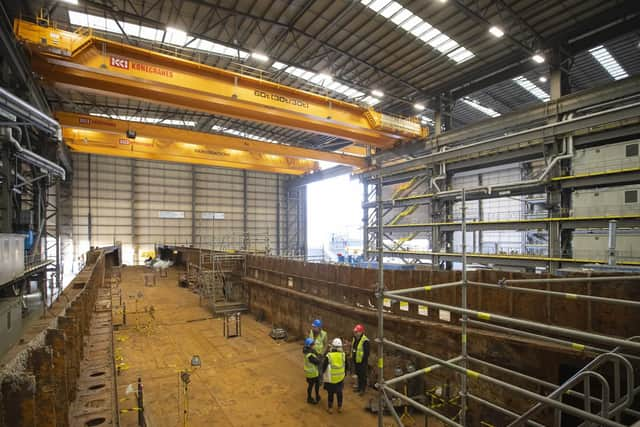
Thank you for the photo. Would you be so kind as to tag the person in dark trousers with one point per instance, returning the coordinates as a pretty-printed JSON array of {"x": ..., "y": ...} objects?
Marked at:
[
  {"x": 360, "y": 357},
  {"x": 333, "y": 369},
  {"x": 312, "y": 364}
]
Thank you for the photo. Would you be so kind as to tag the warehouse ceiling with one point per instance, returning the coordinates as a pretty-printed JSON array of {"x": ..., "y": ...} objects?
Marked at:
[{"x": 412, "y": 51}]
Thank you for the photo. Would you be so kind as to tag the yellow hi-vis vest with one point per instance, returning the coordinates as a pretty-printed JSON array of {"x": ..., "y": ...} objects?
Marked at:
[
  {"x": 310, "y": 370},
  {"x": 336, "y": 364},
  {"x": 319, "y": 341},
  {"x": 360, "y": 350}
]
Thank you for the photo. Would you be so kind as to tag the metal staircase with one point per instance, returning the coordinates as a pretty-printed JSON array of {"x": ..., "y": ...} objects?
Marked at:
[{"x": 603, "y": 402}]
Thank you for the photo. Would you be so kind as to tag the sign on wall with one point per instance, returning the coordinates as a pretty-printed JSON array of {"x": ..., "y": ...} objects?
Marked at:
[
  {"x": 212, "y": 215},
  {"x": 171, "y": 214}
]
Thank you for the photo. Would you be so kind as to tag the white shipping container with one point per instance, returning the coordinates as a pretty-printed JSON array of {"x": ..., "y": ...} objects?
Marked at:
[
  {"x": 612, "y": 157},
  {"x": 11, "y": 256},
  {"x": 608, "y": 201}
]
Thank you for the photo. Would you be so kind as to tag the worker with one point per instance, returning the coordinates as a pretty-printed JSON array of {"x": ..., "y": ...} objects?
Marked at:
[
  {"x": 333, "y": 371},
  {"x": 311, "y": 370},
  {"x": 360, "y": 357},
  {"x": 319, "y": 337}
]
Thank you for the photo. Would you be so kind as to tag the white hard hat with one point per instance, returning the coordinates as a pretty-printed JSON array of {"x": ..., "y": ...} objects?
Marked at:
[{"x": 337, "y": 342}]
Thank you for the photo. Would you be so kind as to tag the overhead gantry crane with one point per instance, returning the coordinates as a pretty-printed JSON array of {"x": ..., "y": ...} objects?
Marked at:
[
  {"x": 81, "y": 60},
  {"x": 98, "y": 135}
]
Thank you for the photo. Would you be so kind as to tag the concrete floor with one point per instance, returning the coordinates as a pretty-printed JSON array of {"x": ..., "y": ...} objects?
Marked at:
[{"x": 247, "y": 381}]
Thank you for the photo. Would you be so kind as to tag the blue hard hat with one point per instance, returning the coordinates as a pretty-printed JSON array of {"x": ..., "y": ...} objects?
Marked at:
[
  {"x": 317, "y": 323},
  {"x": 308, "y": 342}
]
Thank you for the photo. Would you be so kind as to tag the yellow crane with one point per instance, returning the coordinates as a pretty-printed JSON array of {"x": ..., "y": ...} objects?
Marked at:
[
  {"x": 81, "y": 60},
  {"x": 99, "y": 135}
]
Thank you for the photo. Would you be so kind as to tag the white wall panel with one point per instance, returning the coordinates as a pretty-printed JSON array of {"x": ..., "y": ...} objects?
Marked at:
[{"x": 122, "y": 198}]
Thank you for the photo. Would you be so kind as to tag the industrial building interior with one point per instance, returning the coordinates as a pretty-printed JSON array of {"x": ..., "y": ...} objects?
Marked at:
[{"x": 426, "y": 211}]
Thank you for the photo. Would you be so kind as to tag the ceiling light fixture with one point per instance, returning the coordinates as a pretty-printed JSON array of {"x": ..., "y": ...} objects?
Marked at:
[
  {"x": 74, "y": 2},
  {"x": 418, "y": 106},
  {"x": 259, "y": 57},
  {"x": 538, "y": 58},
  {"x": 496, "y": 31},
  {"x": 542, "y": 79},
  {"x": 377, "y": 93}
]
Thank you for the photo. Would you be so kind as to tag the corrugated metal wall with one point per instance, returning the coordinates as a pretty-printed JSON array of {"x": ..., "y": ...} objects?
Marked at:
[{"x": 141, "y": 203}]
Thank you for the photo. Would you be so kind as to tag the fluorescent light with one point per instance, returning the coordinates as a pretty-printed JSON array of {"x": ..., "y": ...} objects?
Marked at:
[
  {"x": 71, "y": 1},
  {"x": 260, "y": 57},
  {"x": 486, "y": 110},
  {"x": 542, "y": 79},
  {"x": 377, "y": 93},
  {"x": 496, "y": 31},
  {"x": 608, "y": 62},
  {"x": 418, "y": 106},
  {"x": 538, "y": 58},
  {"x": 422, "y": 30},
  {"x": 534, "y": 90}
]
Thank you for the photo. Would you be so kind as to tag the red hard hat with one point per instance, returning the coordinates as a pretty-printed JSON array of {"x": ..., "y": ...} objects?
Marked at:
[{"x": 358, "y": 328}]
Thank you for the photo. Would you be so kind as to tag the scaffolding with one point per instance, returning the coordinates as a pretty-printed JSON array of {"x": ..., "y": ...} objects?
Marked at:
[
  {"x": 605, "y": 387},
  {"x": 216, "y": 278}
]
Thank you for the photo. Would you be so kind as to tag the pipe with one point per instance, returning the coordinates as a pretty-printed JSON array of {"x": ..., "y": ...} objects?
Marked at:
[
  {"x": 421, "y": 407},
  {"x": 612, "y": 242},
  {"x": 500, "y": 409},
  {"x": 27, "y": 112},
  {"x": 465, "y": 317},
  {"x": 529, "y": 394},
  {"x": 524, "y": 323},
  {"x": 396, "y": 418},
  {"x": 380, "y": 295},
  {"x": 423, "y": 288},
  {"x": 542, "y": 383},
  {"x": 570, "y": 296},
  {"x": 443, "y": 175},
  {"x": 419, "y": 372},
  {"x": 567, "y": 153},
  {"x": 564, "y": 343},
  {"x": 569, "y": 279},
  {"x": 31, "y": 157}
]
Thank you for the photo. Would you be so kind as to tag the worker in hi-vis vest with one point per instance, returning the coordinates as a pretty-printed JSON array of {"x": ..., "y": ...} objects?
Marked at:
[
  {"x": 312, "y": 364},
  {"x": 360, "y": 356},
  {"x": 319, "y": 337},
  {"x": 333, "y": 371}
]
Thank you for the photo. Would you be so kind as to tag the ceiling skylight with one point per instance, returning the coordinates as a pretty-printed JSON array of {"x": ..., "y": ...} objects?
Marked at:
[
  {"x": 608, "y": 62},
  {"x": 534, "y": 90},
  {"x": 486, "y": 110},
  {"x": 170, "y": 36},
  {"x": 325, "y": 81},
  {"x": 236, "y": 132},
  {"x": 151, "y": 120},
  {"x": 426, "y": 120},
  {"x": 419, "y": 28}
]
